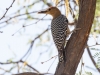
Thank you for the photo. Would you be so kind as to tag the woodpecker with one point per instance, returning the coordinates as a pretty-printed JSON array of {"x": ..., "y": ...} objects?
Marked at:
[{"x": 59, "y": 29}]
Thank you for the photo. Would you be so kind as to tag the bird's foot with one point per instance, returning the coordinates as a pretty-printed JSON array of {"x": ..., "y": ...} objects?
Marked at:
[{"x": 75, "y": 30}]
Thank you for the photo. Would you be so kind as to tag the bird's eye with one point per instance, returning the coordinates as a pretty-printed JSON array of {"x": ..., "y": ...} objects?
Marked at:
[{"x": 49, "y": 9}]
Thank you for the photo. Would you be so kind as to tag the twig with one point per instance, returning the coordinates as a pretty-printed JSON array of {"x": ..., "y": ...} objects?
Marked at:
[
  {"x": 16, "y": 32},
  {"x": 30, "y": 48},
  {"x": 20, "y": 61},
  {"x": 18, "y": 16},
  {"x": 5, "y": 70},
  {"x": 36, "y": 21},
  {"x": 47, "y": 3},
  {"x": 49, "y": 59},
  {"x": 52, "y": 63},
  {"x": 27, "y": 25},
  {"x": 43, "y": 53},
  {"x": 92, "y": 45},
  {"x": 60, "y": 2},
  {"x": 27, "y": 6},
  {"x": 35, "y": 18},
  {"x": 30, "y": 66},
  {"x": 7, "y": 10},
  {"x": 88, "y": 50}
]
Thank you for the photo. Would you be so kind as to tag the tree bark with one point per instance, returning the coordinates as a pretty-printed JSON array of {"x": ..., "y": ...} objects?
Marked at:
[{"x": 76, "y": 44}]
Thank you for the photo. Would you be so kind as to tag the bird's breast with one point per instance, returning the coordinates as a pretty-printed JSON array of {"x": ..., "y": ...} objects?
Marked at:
[{"x": 58, "y": 26}]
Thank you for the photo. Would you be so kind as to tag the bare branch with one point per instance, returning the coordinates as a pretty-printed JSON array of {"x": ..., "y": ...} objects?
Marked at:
[
  {"x": 28, "y": 25},
  {"x": 20, "y": 61},
  {"x": 88, "y": 50},
  {"x": 18, "y": 16},
  {"x": 92, "y": 45},
  {"x": 30, "y": 48},
  {"x": 7, "y": 10}
]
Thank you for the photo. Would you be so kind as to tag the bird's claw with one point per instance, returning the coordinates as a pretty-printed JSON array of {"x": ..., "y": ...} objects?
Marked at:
[{"x": 76, "y": 29}]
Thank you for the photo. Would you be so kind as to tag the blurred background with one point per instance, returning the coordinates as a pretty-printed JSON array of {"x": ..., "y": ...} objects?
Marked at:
[{"x": 26, "y": 44}]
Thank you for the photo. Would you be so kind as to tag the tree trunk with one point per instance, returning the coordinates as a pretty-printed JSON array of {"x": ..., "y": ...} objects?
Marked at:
[{"x": 76, "y": 44}]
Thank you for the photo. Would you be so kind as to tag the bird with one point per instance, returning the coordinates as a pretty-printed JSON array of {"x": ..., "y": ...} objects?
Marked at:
[{"x": 59, "y": 30}]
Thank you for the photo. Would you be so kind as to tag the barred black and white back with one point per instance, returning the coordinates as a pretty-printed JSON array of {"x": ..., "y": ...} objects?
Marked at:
[{"x": 59, "y": 27}]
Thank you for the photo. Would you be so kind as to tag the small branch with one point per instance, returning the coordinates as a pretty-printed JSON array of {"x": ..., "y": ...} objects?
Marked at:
[
  {"x": 49, "y": 59},
  {"x": 92, "y": 45},
  {"x": 52, "y": 63},
  {"x": 7, "y": 10},
  {"x": 36, "y": 21},
  {"x": 20, "y": 61},
  {"x": 27, "y": 6},
  {"x": 33, "y": 43},
  {"x": 28, "y": 25},
  {"x": 18, "y": 16},
  {"x": 88, "y": 50},
  {"x": 48, "y": 4},
  {"x": 8, "y": 71},
  {"x": 35, "y": 18}
]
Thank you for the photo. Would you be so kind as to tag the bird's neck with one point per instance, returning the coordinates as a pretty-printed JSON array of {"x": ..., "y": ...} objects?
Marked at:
[{"x": 56, "y": 15}]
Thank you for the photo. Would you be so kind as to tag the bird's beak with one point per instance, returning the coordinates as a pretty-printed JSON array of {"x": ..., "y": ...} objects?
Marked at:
[{"x": 44, "y": 12}]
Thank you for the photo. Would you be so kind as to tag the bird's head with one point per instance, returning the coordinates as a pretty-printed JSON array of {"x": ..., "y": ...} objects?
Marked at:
[{"x": 53, "y": 11}]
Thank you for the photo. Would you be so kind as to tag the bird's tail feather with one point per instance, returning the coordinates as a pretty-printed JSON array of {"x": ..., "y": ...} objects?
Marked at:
[{"x": 62, "y": 56}]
